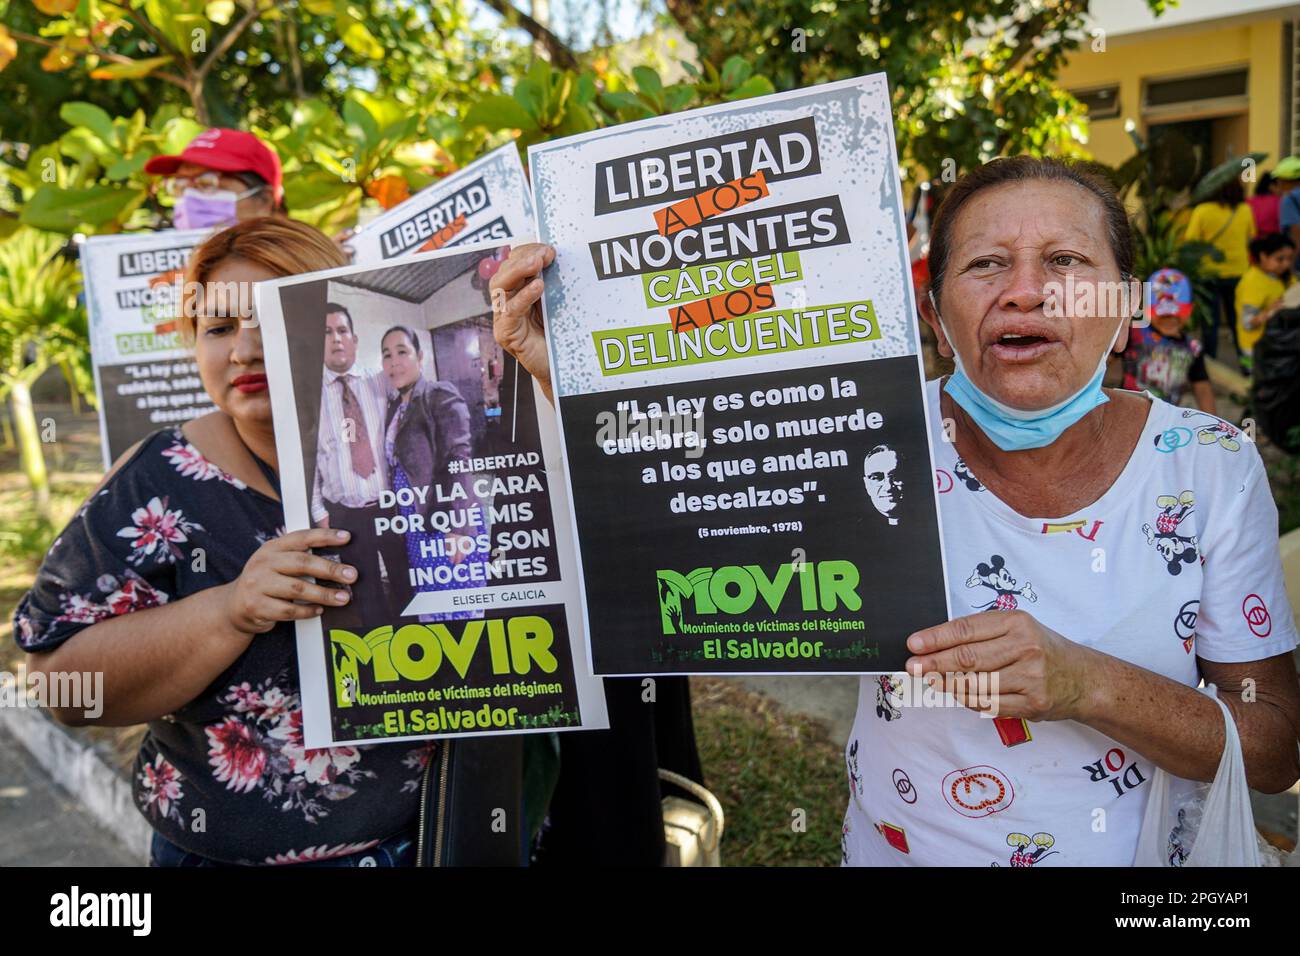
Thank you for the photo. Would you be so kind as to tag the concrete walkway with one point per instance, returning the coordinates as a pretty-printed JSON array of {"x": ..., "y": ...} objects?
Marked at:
[
  {"x": 41, "y": 825},
  {"x": 832, "y": 700}
]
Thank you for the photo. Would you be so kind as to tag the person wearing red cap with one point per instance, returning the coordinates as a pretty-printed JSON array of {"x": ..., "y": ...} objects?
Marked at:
[
  {"x": 1161, "y": 358},
  {"x": 222, "y": 177}
]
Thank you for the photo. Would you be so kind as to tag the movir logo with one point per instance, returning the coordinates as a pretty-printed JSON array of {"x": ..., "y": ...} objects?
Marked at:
[
  {"x": 415, "y": 652},
  {"x": 824, "y": 585}
]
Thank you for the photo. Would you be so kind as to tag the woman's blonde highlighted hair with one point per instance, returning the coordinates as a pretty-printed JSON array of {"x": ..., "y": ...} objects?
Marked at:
[{"x": 278, "y": 244}]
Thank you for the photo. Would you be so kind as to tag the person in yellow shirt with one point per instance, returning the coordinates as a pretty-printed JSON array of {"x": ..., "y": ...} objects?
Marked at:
[
  {"x": 1259, "y": 293},
  {"x": 1227, "y": 223}
]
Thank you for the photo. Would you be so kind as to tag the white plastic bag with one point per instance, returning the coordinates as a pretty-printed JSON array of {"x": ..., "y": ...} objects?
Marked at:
[{"x": 1208, "y": 824}]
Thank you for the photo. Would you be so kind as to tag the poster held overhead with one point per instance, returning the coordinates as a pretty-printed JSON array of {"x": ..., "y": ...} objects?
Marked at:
[
  {"x": 488, "y": 200},
  {"x": 736, "y": 359},
  {"x": 145, "y": 376},
  {"x": 400, "y": 420}
]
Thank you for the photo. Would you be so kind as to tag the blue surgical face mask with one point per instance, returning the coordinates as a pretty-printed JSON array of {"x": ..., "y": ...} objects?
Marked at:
[{"x": 1014, "y": 429}]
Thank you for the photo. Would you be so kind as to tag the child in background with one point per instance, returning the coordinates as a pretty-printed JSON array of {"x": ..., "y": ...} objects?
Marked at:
[
  {"x": 1161, "y": 358},
  {"x": 1259, "y": 293}
]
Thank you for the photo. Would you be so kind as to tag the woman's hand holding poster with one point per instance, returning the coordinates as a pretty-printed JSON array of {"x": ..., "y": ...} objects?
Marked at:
[
  {"x": 735, "y": 356},
  {"x": 400, "y": 420}
]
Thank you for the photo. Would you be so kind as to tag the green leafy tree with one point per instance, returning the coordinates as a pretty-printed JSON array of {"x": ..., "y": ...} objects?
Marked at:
[
  {"x": 91, "y": 179},
  {"x": 970, "y": 79},
  {"x": 239, "y": 62},
  {"x": 40, "y": 325},
  {"x": 548, "y": 102}
]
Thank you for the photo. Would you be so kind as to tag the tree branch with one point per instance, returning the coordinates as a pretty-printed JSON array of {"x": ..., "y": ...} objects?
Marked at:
[
  {"x": 1028, "y": 32},
  {"x": 683, "y": 11},
  {"x": 560, "y": 54},
  {"x": 102, "y": 54},
  {"x": 164, "y": 45},
  {"x": 295, "y": 59},
  {"x": 252, "y": 13},
  {"x": 1037, "y": 25}
]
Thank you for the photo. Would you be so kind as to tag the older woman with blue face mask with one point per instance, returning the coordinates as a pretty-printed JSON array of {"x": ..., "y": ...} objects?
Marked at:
[{"x": 1126, "y": 549}]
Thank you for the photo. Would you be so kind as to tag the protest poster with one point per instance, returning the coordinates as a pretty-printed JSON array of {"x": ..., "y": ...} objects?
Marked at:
[
  {"x": 736, "y": 357},
  {"x": 465, "y": 618},
  {"x": 145, "y": 375},
  {"x": 487, "y": 200}
]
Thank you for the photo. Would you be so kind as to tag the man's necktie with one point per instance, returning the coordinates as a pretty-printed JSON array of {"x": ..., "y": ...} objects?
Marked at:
[{"x": 363, "y": 456}]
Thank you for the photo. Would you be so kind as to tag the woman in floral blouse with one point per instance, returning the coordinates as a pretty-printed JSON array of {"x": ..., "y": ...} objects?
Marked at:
[{"x": 175, "y": 580}]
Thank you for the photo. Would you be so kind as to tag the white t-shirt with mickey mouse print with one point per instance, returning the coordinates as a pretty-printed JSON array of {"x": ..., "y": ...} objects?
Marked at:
[{"x": 1178, "y": 559}]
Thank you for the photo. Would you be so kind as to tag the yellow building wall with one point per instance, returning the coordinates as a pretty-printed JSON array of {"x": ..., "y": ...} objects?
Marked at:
[
  {"x": 1162, "y": 56},
  {"x": 1266, "y": 72}
]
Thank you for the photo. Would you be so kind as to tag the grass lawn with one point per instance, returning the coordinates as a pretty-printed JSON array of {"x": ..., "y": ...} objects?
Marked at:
[
  {"x": 73, "y": 461},
  {"x": 764, "y": 764}
]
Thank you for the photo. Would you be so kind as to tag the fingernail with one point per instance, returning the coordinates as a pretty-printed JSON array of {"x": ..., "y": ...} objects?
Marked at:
[
  {"x": 349, "y": 573},
  {"x": 913, "y": 667},
  {"x": 341, "y": 597},
  {"x": 341, "y": 535}
]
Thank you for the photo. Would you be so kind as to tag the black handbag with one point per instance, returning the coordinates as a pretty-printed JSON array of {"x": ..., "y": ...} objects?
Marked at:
[
  {"x": 1275, "y": 386},
  {"x": 471, "y": 804}
]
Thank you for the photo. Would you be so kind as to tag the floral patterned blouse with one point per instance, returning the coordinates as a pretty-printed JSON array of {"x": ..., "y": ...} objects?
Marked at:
[{"x": 226, "y": 776}]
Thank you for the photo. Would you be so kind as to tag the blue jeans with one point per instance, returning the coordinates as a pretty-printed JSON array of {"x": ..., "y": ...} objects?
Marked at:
[{"x": 397, "y": 850}]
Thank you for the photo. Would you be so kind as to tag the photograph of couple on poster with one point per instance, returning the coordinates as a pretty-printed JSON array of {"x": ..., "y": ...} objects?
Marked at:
[{"x": 411, "y": 388}]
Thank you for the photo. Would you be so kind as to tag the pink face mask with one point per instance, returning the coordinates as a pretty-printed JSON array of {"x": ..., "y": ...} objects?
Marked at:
[{"x": 200, "y": 210}]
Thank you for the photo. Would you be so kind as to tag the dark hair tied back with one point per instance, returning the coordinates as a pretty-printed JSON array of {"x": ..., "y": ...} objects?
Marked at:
[
  {"x": 1021, "y": 169},
  {"x": 1268, "y": 244},
  {"x": 410, "y": 334}
]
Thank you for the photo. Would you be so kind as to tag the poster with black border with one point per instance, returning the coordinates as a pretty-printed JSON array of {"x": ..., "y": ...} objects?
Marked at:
[
  {"x": 145, "y": 375},
  {"x": 399, "y": 419},
  {"x": 485, "y": 201},
  {"x": 736, "y": 355}
]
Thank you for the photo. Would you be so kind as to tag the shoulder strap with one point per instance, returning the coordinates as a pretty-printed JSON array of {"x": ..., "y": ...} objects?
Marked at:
[
  {"x": 1224, "y": 228},
  {"x": 267, "y": 472}
]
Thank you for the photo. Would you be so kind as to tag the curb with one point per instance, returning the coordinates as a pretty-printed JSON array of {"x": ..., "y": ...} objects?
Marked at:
[{"x": 78, "y": 768}]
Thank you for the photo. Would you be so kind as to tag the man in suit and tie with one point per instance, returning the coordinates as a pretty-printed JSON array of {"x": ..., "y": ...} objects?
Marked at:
[{"x": 350, "y": 472}]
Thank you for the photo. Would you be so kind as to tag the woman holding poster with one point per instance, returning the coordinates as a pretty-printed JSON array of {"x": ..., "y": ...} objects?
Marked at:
[
  {"x": 176, "y": 581},
  {"x": 1148, "y": 530}
]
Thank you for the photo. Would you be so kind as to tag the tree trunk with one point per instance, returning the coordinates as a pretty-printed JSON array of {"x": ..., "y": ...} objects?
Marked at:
[
  {"x": 540, "y": 10},
  {"x": 74, "y": 395},
  {"x": 560, "y": 55},
  {"x": 295, "y": 60},
  {"x": 30, "y": 453},
  {"x": 7, "y": 429},
  {"x": 198, "y": 101}
]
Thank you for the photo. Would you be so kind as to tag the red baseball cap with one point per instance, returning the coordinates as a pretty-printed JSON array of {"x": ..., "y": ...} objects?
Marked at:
[{"x": 228, "y": 151}]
